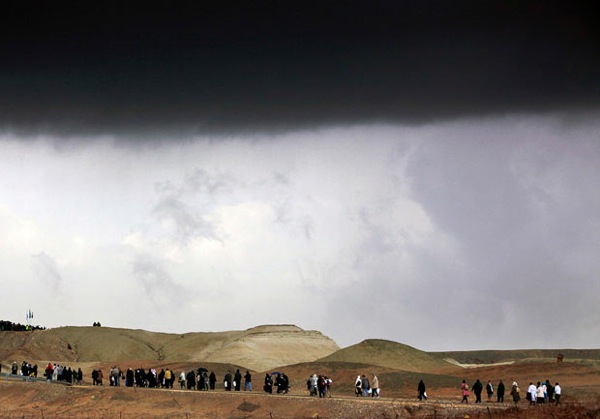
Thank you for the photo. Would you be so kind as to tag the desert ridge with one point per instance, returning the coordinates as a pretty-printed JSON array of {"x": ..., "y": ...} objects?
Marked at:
[{"x": 259, "y": 348}]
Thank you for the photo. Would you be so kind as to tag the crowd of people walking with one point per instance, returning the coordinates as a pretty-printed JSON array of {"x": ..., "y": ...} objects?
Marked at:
[
  {"x": 319, "y": 385},
  {"x": 52, "y": 372},
  {"x": 281, "y": 382},
  {"x": 365, "y": 388},
  {"x": 543, "y": 392}
]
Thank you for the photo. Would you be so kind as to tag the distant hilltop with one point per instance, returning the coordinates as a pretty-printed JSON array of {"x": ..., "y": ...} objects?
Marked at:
[{"x": 258, "y": 348}]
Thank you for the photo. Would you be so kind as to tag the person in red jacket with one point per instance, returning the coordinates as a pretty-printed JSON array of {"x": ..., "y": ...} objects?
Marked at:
[{"x": 48, "y": 372}]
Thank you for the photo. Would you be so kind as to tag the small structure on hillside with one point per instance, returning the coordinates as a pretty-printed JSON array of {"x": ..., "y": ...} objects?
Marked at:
[{"x": 560, "y": 358}]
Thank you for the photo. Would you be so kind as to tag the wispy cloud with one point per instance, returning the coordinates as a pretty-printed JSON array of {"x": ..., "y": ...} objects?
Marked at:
[
  {"x": 46, "y": 269},
  {"x": 158, "y": 285}
]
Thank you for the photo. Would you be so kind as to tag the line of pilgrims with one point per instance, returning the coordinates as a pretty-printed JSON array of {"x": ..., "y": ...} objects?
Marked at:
[{"x": 199, "y": 379}]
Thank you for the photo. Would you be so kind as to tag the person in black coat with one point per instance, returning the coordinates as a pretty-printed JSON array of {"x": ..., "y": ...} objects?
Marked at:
[
  {"x": 190, "y": 380},
  {"x": 477, "y": 389},
  {"x": 161, "y": 378},
  {"x": 139, "y": 377},
  {"x": 421, "y": 390},
  {"x": 129, "y": 378},
  {"x": 151, "y": 379},
  {"x": 500, "y": 392},
  {"x": 285, "y": 382},
  {"x": 212, "y": 380},
  {"x": 248, "y": 381},
  {"x": 227, "y": 382},
  {"x": 237, "y": 379},
  {"x": 94, "y": 377},
  {"x": 268, "y": 387}
]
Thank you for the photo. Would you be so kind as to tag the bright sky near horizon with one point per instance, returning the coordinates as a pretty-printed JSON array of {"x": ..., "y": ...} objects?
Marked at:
[{"x": 210, "y": 171}]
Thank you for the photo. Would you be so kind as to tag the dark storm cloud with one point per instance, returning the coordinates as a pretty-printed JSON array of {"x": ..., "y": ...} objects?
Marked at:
[{"x": 233, "y": 67}]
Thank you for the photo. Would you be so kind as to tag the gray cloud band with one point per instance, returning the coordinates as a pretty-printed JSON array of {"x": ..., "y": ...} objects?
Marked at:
[{"x": 225, "y": 69}]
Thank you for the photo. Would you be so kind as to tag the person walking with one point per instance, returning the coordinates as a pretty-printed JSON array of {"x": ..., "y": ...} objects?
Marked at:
[
  {"x": 212, "y": 380},
  {"x": 48, "y": 372},
  {"x": 247, "y": 381},
  {"x": 557, "y": 393},
  {"x": 190, "y": 380},
  {"x": 366, "y": 386},
  {"x": 514, "y": 392},
  {"x": 314, "y": 381},
  {"x": 532, "y": 393},
  {"x": 268, "y": 387},
  {"x": 421, "y": 391},
  {"x": 477, "y": 389},
  {"x": 99, "y": 378},
  {"x": 328, "y": 382},
  {"x": 237, "y": 380},
  {"x": 358, "y": 386},
  {"x": 500, "y": 392},
  {"x": 321, "y": 386},
  {"x": 540, "y": 393},
  {"x": 375, "y": 387},
  {"x": 227, "y": 381},
  {"x": 489, "y": 388},
  {"x": 129, "y": 377},
  {"x": 464, "y": 388},
  {"x": 549, "y": 392}
]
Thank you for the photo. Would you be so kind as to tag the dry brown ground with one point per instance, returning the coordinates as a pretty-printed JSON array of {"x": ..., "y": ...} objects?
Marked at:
[{"x": 41, "y": 400}]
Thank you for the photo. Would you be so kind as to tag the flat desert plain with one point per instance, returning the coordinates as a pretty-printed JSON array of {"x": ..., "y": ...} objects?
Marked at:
[{"x": 296, "y": 352}]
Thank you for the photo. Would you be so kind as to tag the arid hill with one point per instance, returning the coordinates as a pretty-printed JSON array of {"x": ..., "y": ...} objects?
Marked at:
[
  {"x": 385, "y": 353},
  {"x": 259, "y": 349}
]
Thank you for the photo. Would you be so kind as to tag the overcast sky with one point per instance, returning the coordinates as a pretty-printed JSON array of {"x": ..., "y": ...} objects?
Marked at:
[{"x": 424, "y": 172}]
